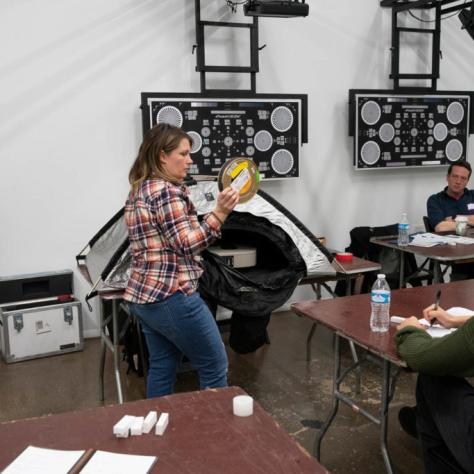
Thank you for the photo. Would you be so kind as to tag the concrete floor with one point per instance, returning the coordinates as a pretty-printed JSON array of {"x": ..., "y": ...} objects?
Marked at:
[{"x": 295, "y": 392}]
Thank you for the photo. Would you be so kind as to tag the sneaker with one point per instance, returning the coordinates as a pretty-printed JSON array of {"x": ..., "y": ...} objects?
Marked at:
[{"x": 407, "y": 419}]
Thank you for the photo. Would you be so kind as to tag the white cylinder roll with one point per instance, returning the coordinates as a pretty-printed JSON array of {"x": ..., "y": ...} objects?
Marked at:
[{"x": 243, "y": 405}]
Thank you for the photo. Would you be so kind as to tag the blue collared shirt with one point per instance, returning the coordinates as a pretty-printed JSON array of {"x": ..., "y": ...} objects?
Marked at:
[{"x": 441, "y": 205}]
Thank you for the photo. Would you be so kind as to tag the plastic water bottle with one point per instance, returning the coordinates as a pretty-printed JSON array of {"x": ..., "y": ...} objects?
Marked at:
[
  {"x": 380, "y": 303},
  {"x": 403, "y": 231}
]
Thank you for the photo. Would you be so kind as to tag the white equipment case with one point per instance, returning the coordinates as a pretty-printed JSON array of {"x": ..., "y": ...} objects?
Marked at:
[
  {"x": 238, "y": 257},
  {"x": 49, "y": 324}
]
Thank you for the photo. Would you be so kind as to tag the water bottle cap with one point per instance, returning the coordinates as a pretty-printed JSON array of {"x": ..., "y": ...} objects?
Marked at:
[{"x": 381, "y": 276}]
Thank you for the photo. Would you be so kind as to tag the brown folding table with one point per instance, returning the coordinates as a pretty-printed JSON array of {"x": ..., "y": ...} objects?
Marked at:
[
  {"x": 203, "y": 436},
  {"x": 113, "y": 298},
  {"x": 345, "y": 271},
  {"x": 348, "y": 318},
  {"x": 460, "y": 253}
]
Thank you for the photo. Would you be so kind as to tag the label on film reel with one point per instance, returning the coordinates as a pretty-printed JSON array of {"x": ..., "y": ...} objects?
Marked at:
[{"x": 242, "y": 175}]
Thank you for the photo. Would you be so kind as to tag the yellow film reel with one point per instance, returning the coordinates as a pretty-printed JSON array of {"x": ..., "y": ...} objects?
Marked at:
[{"x": 240, "y": 174}]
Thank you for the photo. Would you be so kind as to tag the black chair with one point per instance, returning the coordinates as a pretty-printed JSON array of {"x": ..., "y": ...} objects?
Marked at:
[
  {"x": 361, "y": 247},
  {"x": 425, "y": 270},
  {"x": 426, "y": 222},
  {"x": 423, "y": 273},
  {"x": 442, "y": 268}
]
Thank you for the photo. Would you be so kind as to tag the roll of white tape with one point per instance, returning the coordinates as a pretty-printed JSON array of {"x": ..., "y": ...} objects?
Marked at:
[{"x": 243, "y": 405}]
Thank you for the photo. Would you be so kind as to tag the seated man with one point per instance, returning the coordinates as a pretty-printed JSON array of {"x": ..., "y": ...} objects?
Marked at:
[
  {"x": 445, "y": 400},
  {"x": 454, "y": 200}
]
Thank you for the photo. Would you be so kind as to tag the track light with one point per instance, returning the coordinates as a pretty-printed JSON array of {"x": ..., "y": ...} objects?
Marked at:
[{"x": 276, "y": 8}]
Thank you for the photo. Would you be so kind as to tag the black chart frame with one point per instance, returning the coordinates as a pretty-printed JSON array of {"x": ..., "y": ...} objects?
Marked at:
[
  {"x": 413, "y": 92},
  {"x": 231, "y": 96},
  {"x": 405, "y": 91}
]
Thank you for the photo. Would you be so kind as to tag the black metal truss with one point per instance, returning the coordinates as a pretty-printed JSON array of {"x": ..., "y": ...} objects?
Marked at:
[
  {"x": 411, "y": 4},
  {"x": 204, "y": 68},
  {"x": 399, "y": 6}
]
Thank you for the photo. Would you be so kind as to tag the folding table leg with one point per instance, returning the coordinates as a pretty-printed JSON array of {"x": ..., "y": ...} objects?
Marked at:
[
  {"x": 308, "y": 342},
  {"x": 103, "y": 349},
  {"x": 351, "y": 343},
  {"x": 115, "y": 343},
  {"x": 335, "y": 401},
  {"x": 355, "y": 358},
  {"x": 436, "y": 272},
  {"x": 387, "y": 394},
  {"x": 317, "y": 290},
  {"x": 401, "y": 281}
]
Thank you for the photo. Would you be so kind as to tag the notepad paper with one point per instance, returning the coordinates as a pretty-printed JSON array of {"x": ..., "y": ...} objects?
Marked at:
[
  {"x": 428, "y": 239},
  {"x": 458, "y": 239},
  {"x": 103, "y": 462},
  {"x": 436, "y": 330},
  {"x": 34, "y": 460},
  {"x": 459, "y": 311}
]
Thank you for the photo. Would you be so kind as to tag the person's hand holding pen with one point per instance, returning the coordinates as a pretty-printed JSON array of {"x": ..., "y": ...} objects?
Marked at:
[{"x": 435, "y": 313}]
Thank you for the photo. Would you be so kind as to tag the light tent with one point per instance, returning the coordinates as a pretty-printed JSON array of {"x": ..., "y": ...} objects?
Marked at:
[{"x": 285, "y": 252}]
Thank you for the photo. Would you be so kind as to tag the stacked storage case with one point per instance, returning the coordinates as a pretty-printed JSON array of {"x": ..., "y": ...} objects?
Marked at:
[{"x": 39, "y": 316}]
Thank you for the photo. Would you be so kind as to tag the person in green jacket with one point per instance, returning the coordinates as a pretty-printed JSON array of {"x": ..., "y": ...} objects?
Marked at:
[{"x": 445, "y": 399}]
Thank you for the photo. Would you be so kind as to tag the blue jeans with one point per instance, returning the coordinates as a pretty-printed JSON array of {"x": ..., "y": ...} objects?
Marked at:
[{"x": 179, "y": 325}]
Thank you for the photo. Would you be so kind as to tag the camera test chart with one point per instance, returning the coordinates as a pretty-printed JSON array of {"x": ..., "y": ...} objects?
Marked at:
[
  {"x": 393, "y": 130},
  {"x": 268, "y": 129}
]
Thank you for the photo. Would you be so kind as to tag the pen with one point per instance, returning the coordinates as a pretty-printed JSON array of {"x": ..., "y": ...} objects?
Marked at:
[
  {"x": 438, "y": 297},
  {"x": 82, "y": 461}
]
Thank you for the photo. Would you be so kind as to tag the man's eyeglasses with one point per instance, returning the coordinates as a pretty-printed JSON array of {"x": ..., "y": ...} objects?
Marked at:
[{"x": 461, "y": 178}]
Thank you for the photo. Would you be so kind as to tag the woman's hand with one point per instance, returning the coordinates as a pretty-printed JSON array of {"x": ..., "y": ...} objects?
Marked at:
[
  {"x": 441, "y": 316},
  {"x": 227, "y": 199},
  {"x": 411, "y": 322}
]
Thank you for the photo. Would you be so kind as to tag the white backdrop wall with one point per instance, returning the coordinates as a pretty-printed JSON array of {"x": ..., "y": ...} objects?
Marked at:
[{"x": 71, "y": 73}]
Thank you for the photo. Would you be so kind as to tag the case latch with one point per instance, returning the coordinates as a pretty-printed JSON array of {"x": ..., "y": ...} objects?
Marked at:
[
  {"x": 18, "y": 321},
  {"x": 68, "y": 317}
]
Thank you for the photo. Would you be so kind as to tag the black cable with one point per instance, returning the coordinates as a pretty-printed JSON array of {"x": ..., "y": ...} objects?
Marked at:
[{"x": 432, "y": 21}]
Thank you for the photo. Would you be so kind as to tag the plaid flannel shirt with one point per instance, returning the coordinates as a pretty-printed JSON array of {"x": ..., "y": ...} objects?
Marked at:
[{"x": 165, "y": 241}]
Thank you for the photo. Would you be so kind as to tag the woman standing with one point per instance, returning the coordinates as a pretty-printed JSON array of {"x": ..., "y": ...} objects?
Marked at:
[{"x": 165, "y": 241}]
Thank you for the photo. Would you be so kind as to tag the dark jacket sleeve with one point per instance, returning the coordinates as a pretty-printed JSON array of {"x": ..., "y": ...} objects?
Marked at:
[{"x": 449, "y": 355}]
